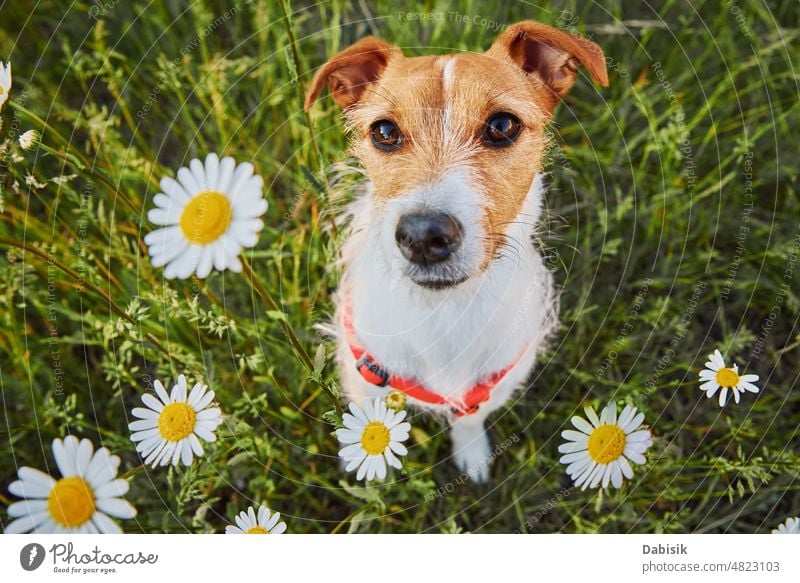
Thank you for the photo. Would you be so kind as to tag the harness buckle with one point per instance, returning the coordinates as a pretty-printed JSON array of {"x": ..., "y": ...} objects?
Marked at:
[{"x": 371, "y": 371}]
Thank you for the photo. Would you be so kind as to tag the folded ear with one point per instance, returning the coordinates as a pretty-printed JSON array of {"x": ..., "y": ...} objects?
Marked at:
[
  {"x": 350, "y": 72},
  {"x": 550, "y": 53}
]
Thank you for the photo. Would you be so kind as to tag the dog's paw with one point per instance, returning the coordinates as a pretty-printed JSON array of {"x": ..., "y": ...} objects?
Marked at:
[{"x": 472, "y": 456}]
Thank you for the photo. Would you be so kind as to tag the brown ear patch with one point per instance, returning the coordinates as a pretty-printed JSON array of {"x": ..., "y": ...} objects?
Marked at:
[
  {"x": 349, "y": 73},
  {"x": 551, "y": 53}
]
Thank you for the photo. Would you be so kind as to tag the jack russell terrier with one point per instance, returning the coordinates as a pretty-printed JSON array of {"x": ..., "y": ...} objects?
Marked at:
[{"x": 443, "y": 295}]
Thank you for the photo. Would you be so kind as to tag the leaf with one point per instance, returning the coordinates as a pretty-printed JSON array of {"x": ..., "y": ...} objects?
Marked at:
[
  {"x": 277, "y": 315},
  {"x": 319, "y": 359}
]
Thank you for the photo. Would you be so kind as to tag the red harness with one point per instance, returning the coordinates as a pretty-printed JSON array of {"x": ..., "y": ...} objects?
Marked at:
[{"x": 375, "y": 374}]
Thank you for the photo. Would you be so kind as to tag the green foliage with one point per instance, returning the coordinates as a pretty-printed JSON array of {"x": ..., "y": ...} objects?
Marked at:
[{"x": 672, "y": 228}]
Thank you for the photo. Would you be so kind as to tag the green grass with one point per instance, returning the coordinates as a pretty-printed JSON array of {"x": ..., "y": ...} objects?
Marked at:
[{"x": 641, "y": 236}]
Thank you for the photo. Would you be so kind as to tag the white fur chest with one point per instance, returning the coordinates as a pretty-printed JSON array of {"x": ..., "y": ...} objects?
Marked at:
[{"x": 451, "y": 339}]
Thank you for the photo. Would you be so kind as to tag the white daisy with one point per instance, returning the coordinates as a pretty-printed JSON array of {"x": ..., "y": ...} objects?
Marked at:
[
  {"x": 372, "y": 437},
  {"x": 717, "y": 375},
  {"x": 171, "y": 429},
  {"x": 81, "y": 501},
  {"x": 791, "y": 526},
  {"x": 208, "y": 215},
  {"x": 265, "y": 523},
  {"x": 600, "y": 451},
  {"x": 5, "y": 82}
]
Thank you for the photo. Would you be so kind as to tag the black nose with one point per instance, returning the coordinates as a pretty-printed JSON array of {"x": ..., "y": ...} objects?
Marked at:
[{"x": 428, "y": 238}]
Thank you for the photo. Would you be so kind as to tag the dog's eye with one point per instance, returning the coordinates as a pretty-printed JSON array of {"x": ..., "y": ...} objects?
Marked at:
[
  {"x": 385, "y": 135},
  {"x": 502, "y": 129}
]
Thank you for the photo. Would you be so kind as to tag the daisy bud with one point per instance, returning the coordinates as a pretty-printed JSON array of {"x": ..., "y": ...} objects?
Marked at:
[
  {"x": 396, "y": 401},
  {"x": 29, "y": 139}
]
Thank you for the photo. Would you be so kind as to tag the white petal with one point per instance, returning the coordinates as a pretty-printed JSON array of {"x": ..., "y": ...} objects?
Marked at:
[
  {"x": 226, "y": 168},
  {"x": 83, "y": 455},
  {"x": 142, "y": 424},
  {"x": 104, "y": 524},
  {"x": 627, "y": 413},
  {"x": 643, "y": 435},
  {"x": 143, "y": 413},
  {"x": 204, "y": 433},
  {"x": 153, "y": 403},
  {"x": 609, "y": 414},
  {"x": 113, "y": 489},
  {"x": 102, "y": 469},
  {"x": 582, "y": 425},
  {"x": 209, "y": 414},
  {"x": 212, "y": 171},
  {"x": 189, "y": 183},
  {"x": 351, "y": 450},
  {"x": 145, "y": 434},
  {"x": 23, "y": 507},
  {"x": 197, "y": 392},
  {"x": 350, "y": 422},
  {"x": 571, "y": 457},
  {"x": 592, "y": 416},
  {"x": 398, "y": 448},
  {"x": 204, "y": 401},
  {"x": 348, "y": 436},
  {"x": 23, "y": 524},
  {"x": 391, "y": 459},
  {"x": 633, "y": 423},
  {"x": 199, "y": 174},
  {"x": 572, "y": 447},
  {"x": 576, "y": 436},
  {"x": 634, "y": 455},
  {"x": 355, "y": 461},
  {"x": 64, "y": 456},
  {"x": 173, "y": 189},
  {"x": 616, "y": 474},
  {"x": 33, "y": 484},
  {"x": 186, "y": 453},
  {"x": 362, "y": 470},
  {"x": 240, "y": 177},
  {"x": 627, "y": 471}
]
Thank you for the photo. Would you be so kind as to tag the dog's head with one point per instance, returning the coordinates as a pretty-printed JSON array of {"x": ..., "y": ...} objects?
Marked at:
[{"x": 452, "y": 143}]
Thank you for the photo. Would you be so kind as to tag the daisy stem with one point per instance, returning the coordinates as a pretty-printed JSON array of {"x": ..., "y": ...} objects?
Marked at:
[
  {"x": 349, "y": 518},
  {"x": 272, "y": 305},
  {"x": 132, "y": 472},
  {"x": 81, "y": 282}
]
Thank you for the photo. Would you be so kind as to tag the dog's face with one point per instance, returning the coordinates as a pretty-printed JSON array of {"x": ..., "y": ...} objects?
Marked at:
[{"x": 452, "y": 143}]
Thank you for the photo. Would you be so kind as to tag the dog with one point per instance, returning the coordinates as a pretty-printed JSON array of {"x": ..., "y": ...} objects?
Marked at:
[{"x": 443, "y": 294}]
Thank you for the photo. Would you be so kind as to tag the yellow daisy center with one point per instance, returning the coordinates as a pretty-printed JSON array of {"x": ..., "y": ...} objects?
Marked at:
[
  {"x": 176, "y": 421},
  {"x": 727, "y": 377},
  {"x": 606, "y": 443},
  {"x": 71, "y": 501},
  {"x": 257, "y": 530},
  {"x": 375, "y": 438},
  {"x": 206, "y": 217}
]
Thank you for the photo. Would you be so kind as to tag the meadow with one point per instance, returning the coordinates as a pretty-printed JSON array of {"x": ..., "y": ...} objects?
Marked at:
[{"x": 672, "y": 228}]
